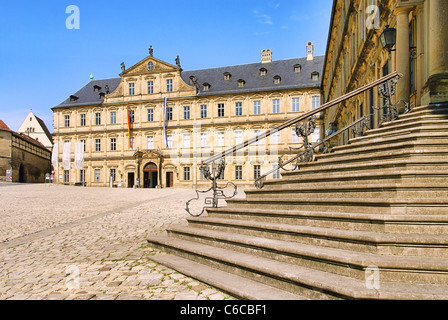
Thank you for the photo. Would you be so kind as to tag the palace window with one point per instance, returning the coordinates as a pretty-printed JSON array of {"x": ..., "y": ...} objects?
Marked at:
[
  {"x": 295, "y": 137},
  {"x": 241, "y": 83},
  {"x": 221, "y": 110},
  {"x": 256, "y": 133},
  {"x": 83, "y": 144},
  {"x": 67, "y": 121},
  {"x": 132, "y": 143},
  {"x": 113, "y": 174},
  {"x": 257, "y": 171},
  {"x": 150, "y": 87},
  {"x": 113, "y": 144},
  {"x": 186, "y": 113},
  {"x": 169, "y": 113},
  {"x": 97, "y": 118},
  {"x": 276, "y": 173},
  {"x": 186, "y": 173},
  {"x": 238, "y": 108},
  {"x": 238, "y": 172},
  {"x": 150, "y": 140},
  {"x": 220, "y": 139},
  {"x": 203, "y": 111},
  {"x": 315, "y": 75},
  {"x": 66, "y": 176},
  {"x": 263, "y": 72},
  {"x": 97, "y": 175},
  {"x": 186, "y": 140},
  {"x": 169, "y": 85},
  {"x": 297, "y": 68},
  {"x": 150, "y": 115},
  {"x": 150, "y": 65},
  {"x": 227, "y": 76},
  {"x": 131, "y": 89},
  {"x": 169, "y": 140},
  {"x": 203, "y": 140},
  {"x": 257, "y": 107},
  {"x": 83, "y": 120},
  {"x": 238, "y": 137},
  {"x": 206, "y": 86},
  {"x": 97, "y": 145},
  {"x": 315, "y": 102},
  {"x": 276, "y": 106},
  {"x": 131, "y": 116},
  {"x": 275, "y": 138},
  {"x": 277, "y": 80},
  {"x": 295, "y": 104},
  {"x": 113, "y": 117}
]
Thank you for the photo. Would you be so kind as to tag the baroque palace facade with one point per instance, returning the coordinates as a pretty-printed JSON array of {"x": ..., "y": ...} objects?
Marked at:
[
  {"x": 154, "y": 125},
  {"x": 356, "y": 56}
]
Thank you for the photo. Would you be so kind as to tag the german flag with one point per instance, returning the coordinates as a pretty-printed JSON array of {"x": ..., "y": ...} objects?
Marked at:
[{"x": 129, "y": 127}]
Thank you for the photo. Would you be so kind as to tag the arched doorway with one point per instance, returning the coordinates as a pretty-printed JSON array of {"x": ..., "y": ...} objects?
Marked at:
[
  {"x": 22, "y": 174},
  {"x": 150, "y": 176}
]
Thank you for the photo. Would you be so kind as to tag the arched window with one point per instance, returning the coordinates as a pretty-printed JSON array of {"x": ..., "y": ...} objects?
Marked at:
[{"x": 150, "y": 66}]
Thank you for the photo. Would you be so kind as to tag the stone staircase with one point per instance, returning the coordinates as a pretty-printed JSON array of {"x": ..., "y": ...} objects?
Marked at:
[{"x": 368, "y": 221}]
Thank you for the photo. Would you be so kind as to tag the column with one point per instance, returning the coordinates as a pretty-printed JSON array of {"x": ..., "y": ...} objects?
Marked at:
[
  {"x": 402, "y": 54},
  {"x": 438, "y": 51}
]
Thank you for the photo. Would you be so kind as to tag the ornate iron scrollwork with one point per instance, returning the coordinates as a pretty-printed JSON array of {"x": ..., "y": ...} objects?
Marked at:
[
  {"x": 212, "y": 174},
  {"x": 387, "y": 90},
  {"x": 359, "y": 128}
]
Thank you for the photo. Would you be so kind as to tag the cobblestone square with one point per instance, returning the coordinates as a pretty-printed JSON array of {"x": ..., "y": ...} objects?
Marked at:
[{"x": 72, "y": 243}]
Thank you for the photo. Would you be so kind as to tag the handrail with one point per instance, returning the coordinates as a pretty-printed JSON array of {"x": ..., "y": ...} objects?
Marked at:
[
  {"x": 291, "y": 122},
  {"x": 258, "y": 181}
]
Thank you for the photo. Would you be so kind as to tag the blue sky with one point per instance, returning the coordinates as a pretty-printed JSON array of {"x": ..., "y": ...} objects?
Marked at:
[{"x": 43, "y": 62}]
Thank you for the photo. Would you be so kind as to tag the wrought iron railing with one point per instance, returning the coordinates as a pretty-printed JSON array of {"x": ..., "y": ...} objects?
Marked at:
[{"x": 305, "y": 123}]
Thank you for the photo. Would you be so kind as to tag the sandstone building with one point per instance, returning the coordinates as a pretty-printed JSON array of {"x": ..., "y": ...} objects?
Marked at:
[
  {"x": 35, "y": 127},
  {"x": 355, "y": 56},
  {"x": 154, "y": 124},
  {"x": 22, "y": 159}
]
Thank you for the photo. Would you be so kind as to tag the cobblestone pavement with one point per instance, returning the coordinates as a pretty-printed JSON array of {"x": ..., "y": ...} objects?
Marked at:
[{"x": 73, "y": 243}]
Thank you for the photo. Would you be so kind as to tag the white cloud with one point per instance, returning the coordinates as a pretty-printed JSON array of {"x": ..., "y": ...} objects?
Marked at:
[{"x": 263, "y": 18}]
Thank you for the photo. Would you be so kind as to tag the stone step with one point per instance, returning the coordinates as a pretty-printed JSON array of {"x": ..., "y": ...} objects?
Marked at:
[
  {"x": 425, "y": 206},
  {"x": 373, "y": 191},
  {"x": 409, "y": 125},
  {"x": 237, "y": 286},
  {"x": 343, "y": 262},
  {"x": 434, "y": 143},
  {"x": 349, "y": 178},
  {"x": 404, "y": 224},
  {"x": 360, "y": 241},
  {"x": 308, "y": 282}
]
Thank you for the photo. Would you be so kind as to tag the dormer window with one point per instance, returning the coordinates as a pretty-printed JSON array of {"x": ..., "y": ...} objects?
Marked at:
[
  {"x": 206, "y": 86},
  {"x": 241, "y": 83},
  {"x": 263, "y": 72},
  {"x": 73, "y": 98},
  {"x": 150, "y": 66},
  {"x": 315, "y": 75},
  {"x": 96, "y": 88},
  {"x": 227, "y": 76},
  {"x": 192, "y": 79},
  {"x": 277, "y": 80},
  {"x": 297, "y": 68},
  {"x": 102, "y": 95}
]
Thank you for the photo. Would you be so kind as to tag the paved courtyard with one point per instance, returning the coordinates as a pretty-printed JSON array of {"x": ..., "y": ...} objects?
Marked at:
[{"x": 70, "y": 243}]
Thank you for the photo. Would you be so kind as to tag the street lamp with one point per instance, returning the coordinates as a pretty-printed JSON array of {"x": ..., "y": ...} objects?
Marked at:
[{"x": 388, "y": 38}]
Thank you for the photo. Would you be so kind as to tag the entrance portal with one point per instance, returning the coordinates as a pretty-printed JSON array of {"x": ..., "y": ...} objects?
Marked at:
[
  {"x": 169, "y": 179},
  {"x": 150, "y": 176},
  {"x": 131, "y": 179}
]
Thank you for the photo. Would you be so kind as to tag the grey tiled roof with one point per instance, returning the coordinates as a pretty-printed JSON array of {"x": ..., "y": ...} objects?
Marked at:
[
  {"x": 250, "y": 73},
  {"x": 87, "y": 95}
]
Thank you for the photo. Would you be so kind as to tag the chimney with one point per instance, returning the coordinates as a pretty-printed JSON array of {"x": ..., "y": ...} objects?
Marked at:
[
  {"x": 266, "y": 56},
  {"x": 309, "y": 51}
]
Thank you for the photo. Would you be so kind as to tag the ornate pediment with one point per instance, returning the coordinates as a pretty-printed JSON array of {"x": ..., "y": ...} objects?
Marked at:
[{"x": 148, "y": 66}]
